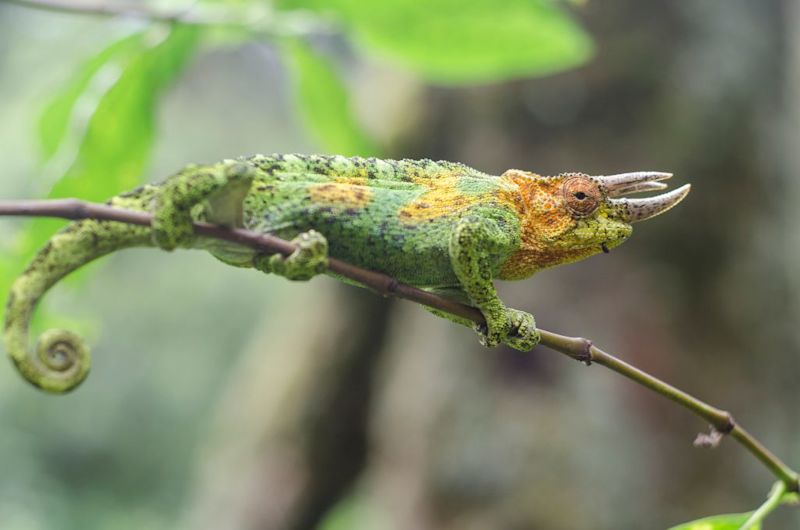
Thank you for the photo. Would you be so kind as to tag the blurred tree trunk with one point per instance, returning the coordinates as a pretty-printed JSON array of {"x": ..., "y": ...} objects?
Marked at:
[{"x": 289, "y": 436}]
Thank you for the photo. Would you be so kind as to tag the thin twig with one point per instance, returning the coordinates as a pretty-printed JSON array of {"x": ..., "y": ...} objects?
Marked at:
[
  {"x": 265, "y": 22},
  {"x": 106, "y": 9},
  {"x": 772, "y": 502},
  {"x": 577, "y": 348}
]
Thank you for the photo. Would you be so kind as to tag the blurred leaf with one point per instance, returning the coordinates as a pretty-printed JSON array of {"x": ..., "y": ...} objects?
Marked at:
[
  {"x": 730, "y": 521},
  {"x": 55, "y": 119},
  {"x": 116, "y": 147},
  {"x": 118, "y": 138},
  {"x": 323, "y": 102},
  {"x": 344, "y": 516},
  {"x": 463, "y": 41}
]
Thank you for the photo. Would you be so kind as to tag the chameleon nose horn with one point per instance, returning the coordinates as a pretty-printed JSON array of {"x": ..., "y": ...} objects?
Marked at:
[
  {"x": 624, "y": 183},
  {"x": 635, "y": 210}
]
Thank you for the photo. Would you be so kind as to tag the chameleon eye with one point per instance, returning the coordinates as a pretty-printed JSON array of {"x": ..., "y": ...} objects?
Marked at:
[{"x": 581, "y": 195}]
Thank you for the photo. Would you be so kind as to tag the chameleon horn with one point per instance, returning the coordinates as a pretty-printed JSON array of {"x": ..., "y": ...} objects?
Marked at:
[
  {"x": 635, "y": 210},
  {"x": 624, "y": 183}
]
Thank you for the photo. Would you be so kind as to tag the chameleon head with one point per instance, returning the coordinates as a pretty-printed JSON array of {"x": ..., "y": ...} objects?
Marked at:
[{"x": 573, "y": 215}]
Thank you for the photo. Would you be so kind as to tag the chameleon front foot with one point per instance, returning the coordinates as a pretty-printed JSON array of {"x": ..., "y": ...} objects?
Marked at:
[
  {"x": 309, "y": 260},
  {"x": 512, "y": 327},
  {"x": 523, "y": 334}
]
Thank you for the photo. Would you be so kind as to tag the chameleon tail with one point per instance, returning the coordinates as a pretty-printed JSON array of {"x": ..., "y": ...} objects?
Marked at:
[{"x": 60, "y": 360}]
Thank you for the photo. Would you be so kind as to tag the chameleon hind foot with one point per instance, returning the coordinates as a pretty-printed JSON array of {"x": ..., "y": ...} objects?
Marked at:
[
  {"x": 309, "y": 260},
  {"x": 223, "y": 185}
]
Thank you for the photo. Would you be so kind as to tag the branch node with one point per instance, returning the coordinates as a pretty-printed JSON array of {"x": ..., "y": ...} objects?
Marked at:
[
  {"x": 585, "y": 355},
  {"x": 728, "y": 423},
  {"x": 75, "y": 209}
]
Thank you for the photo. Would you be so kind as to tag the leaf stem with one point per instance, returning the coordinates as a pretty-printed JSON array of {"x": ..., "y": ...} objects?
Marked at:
[
  {"x": 772, "y": 502},
  {"x": 578, "y": 348}
]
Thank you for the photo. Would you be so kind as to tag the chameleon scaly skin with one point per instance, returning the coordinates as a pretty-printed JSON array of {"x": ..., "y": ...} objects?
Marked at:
[{"x": 441, "y": 226}]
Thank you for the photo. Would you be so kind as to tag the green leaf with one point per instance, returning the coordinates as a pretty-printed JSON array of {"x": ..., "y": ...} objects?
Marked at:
[
  {"x": 730, "y": 521},
  {"x": 119, "y": 136},
  {"x": 118, "y": 139},
  {"x": 323, "y": 102},
  {"x": 55, "y": 118},
  {"x": 463, "y": 41}
]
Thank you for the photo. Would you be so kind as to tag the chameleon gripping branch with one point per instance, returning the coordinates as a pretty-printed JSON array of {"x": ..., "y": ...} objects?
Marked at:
[
  {"x": 467, "y": 227},
  {"x": 578, "y": 348}
]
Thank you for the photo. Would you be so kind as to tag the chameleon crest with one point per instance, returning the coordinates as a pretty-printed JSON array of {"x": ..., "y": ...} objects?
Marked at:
[{"x": 440, "y": 226}]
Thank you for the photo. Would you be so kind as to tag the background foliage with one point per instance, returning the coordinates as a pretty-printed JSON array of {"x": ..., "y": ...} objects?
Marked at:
[{"x": 187, "y": 418}]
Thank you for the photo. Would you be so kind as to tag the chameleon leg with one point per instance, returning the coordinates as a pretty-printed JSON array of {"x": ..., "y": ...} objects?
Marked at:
[
  {"x": 474, "y": 246},
  {"x": 309, "y": 260},
  {"x": 223, "y": 185}
]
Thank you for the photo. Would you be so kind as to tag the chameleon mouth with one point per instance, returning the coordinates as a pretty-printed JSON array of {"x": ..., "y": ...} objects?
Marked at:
[{"x": 635, "y": 210}]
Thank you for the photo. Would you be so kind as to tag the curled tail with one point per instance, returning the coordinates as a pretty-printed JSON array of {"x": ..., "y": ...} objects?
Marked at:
[{"x": 60, "y": 360}]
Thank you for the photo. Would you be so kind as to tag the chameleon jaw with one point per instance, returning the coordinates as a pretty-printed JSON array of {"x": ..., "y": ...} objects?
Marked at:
[{"x": 635, "y": 210}]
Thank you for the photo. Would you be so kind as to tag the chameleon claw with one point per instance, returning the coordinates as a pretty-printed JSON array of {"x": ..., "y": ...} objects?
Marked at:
[
  {"x": 519, "y": 332},
  {"x": 523, "y": 335}
]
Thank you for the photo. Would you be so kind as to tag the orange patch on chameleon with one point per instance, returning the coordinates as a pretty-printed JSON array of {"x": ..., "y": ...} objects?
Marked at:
[
  {"x": 546, "y": 224},
  {"x": 357, "y": 180},
  {"x": 442, "y": 198},
  {"x": 525, "y": 262},
  {"x": 339, "y": 194},
  {"x": 436, "y": 203}
]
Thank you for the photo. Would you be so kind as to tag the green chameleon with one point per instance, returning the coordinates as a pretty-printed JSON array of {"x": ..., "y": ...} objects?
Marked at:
[{"x": 440, "y": 226}]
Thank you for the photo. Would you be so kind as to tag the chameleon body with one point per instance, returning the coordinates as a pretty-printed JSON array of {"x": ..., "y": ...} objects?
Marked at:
[{"x": 436, "y": 225}]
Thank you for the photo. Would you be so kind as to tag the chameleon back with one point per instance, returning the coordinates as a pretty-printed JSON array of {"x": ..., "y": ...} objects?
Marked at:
[{"x": 385, "y": 215}]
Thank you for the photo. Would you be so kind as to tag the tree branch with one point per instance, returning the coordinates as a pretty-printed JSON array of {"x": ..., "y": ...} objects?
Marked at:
[
  {"x": 106, "y": 9},
  {"x": 580, "y": 349},
  {"x": 265, "y": 22}
]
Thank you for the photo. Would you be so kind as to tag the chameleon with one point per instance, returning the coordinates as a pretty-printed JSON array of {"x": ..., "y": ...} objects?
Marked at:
[{"x": 440, "y": 226}]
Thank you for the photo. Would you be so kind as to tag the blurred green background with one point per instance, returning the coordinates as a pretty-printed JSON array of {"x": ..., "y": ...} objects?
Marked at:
[{"x": 224, "y": 399}]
